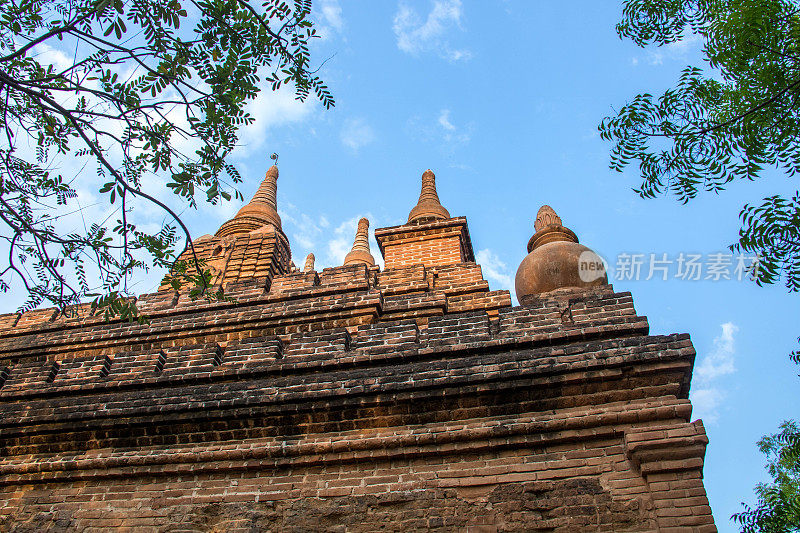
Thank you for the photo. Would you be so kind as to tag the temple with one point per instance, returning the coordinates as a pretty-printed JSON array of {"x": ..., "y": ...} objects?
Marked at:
[{"x": 355, "y": 398}]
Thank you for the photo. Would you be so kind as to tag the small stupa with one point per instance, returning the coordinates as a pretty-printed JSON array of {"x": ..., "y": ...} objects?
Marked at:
[
  {"x": 428, "y": 206},
  {"x": 556, "y": 260},
  {"x": 309, "y": 265},
  {"x": 360, "y": 253}
]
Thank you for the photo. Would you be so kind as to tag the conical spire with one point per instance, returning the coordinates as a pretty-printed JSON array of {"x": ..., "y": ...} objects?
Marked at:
[
  {"x": 309, "y": 266},
  {"x": 262, "y": 211},
  {"x": 360, "y": 253},
  {"x": 268, "y": 190},
  {"x": 428, "y": 207}
]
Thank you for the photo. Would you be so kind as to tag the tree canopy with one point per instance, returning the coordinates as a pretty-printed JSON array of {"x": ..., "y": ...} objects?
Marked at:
[
  {"x": 728, "y": 122},
  {"x": 732, "y": 121},
  {"x": 134, "y": 90},
  {"x": 778, "y": 507}
]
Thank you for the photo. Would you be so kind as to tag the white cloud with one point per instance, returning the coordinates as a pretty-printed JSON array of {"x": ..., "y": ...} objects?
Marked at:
[
  {"x": 676, "y": 51},
  {"x": 454, "y": 136},
  {"x": 309, "y": 234},
  {"x": 720, "y": 361},
  {"x": 271, "y": 109},
  {"x": 304, "y": 230},
  {"x": 444, "y": 120},
  {"x": 341, "y": 242},
  {"x": 495, "y": 270},
  {"x": 442, "y": 130},
  {"x": 706, "y": 404},
  {"x": 415, "y": 36},
  {"x": 708, "y": 399},
  {"x": 328, "y": 20},
  {"x": 356, "y": 133},
  {"x": 457, "y": 55},
  {"x": 332, "y": 14},
  {"x": 655, "y": 58},
  {"x": 47, "y": 55}
]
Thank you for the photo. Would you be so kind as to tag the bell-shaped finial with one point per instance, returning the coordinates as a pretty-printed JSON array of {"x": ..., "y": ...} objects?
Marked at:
[
  {"x": 428, "y": 206},
  {"x": 309, "y": 266},
  {"x": 556, "y": 260},
  {"x": 262, "y": 211},
  {"x": 360, "y": 253}
]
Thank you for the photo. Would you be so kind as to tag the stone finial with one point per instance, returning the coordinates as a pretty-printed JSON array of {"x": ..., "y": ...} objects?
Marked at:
[
  {"x": 360, "y": 253},
  {"x": 309, "y": 266},
  {"x": 428, "y": 206},
  {"x": 549, "y": 228},
  {"x": 261, "y": 213},
  {"x": 556, "y": 260},
  {"x": 546, "y": 217}
]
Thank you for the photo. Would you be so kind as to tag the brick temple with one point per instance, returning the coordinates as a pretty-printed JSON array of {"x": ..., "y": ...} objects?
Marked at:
[{"x": 355, "y": 398}]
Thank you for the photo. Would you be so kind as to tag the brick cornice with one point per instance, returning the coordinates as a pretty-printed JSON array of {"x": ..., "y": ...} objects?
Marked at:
[{"x": 406, "y": 233}]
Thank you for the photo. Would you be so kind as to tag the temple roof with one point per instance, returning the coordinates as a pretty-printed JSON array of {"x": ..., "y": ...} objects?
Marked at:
[{"x": 260, "y": 214}]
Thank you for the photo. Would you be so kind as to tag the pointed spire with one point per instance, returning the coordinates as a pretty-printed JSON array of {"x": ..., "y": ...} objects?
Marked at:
[
  {"x": 309, "y": 266},
  {"x": 268, "y": 190},
  {"x": 262, "y": 211},
  {"x": 428, "y": 207},
  {"x": 360, "y": 253}
]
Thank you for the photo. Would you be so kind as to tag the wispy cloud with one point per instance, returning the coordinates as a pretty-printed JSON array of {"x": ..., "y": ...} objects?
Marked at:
[
  {"x": 415, "y": 35},
  {"x": 454, "y": 136},
  {"x": 720, "y": 361},
  {"x": 444, "y": 130},
  {"x": 332, "y": 13},
  {"x": 675, "y": 51},
  {"x": 444, "y": 120},
  {"x": 271, "y": 109},
  {"x": 305, "y": 231},
  {"x": 706, "y": 404},
  {"x": 356, "y": 133},
  {"x": 495, "y": 270},
  {"x": 708, "y": 398},
  {"x": 329, "y": 19}
]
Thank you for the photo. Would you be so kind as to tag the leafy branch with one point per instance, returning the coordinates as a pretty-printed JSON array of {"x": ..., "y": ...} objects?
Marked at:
[{"x": 139, "y": 89}]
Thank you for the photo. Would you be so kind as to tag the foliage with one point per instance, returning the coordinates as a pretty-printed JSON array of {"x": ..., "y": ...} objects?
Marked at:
[
  {"x": 778, "y": 508},
  {"x": 130, "y": 89},
  {"x": 730, "y": 123}
]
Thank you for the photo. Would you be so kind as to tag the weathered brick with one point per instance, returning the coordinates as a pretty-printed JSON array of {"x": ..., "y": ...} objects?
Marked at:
[{"x": 352, "y": 399}]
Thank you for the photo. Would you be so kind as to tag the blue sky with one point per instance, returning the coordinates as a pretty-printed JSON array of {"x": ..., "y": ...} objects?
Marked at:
[{"x": 502, "y": 101}]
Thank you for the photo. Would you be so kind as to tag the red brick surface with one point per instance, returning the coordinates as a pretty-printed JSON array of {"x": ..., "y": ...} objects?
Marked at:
[{"x": 352, "y": 399}]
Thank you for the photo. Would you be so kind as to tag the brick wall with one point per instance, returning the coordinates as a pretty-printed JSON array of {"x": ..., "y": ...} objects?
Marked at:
[
  {"x": 352, "y": 399},
  {"x": 430, "y": 252},
  {"x": 436, "y": 243}
]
